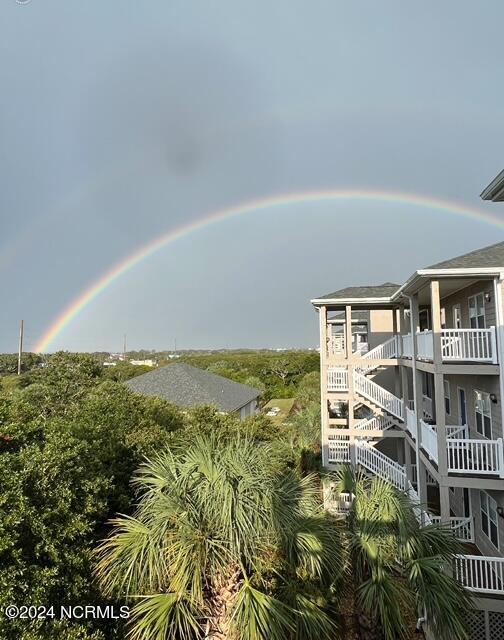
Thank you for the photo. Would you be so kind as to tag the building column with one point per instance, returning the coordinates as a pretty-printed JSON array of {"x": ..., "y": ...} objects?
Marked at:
[
  {"x": 350, "y": 369},
  {"x": 403, "y": 330},
  {"x": 324, "y": 413},
  {"x": 439, "y": 401},
  {"x": 417, "y": 398}
]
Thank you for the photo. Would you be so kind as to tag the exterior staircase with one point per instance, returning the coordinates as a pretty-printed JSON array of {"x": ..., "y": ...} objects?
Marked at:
[
  {"x": 376, "y": 422},
  {"x": 380, "y": 465},
  {"x": 378, "y": 397},
  {"x": 387, "y": 350}
]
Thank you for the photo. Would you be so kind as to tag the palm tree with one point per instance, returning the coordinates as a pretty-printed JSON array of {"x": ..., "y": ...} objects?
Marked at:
[
  {"x": 400, "y": 570},
  {"x": 225, "y": 543}
]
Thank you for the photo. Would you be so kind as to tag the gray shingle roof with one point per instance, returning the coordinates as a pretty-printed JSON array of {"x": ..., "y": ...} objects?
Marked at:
[
  {"x": 384, "y": 290},
  {"x": 495, "y": 190},
  {"x": 188, "y": 386},
  {"x": 492, "y": 256}
]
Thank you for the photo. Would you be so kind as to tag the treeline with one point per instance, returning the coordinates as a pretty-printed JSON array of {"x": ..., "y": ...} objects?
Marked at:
[{"x": 277, "y": 374}]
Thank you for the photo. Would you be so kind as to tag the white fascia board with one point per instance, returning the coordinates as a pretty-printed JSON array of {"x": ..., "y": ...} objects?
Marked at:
[{"x": 327, "y": 301}]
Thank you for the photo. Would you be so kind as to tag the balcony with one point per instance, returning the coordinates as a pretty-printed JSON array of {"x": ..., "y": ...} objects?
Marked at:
[
  {"x": 480, "y": 573},
  {"x": 463, "y": 528},
  {"x": 466, "y": 456},
  {"x": 457, "y": 345}
]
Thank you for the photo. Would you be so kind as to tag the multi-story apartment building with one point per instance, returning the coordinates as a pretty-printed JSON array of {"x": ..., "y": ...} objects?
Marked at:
[{"x": 412, "y": 388}]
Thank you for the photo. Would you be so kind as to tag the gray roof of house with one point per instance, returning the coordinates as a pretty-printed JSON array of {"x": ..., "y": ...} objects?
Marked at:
[
  {"x": 495, "y": 190},
  {"x": 492, "y": 256},
  {"x": 384, "y": 290},
  {"x": 188, "y": 386}
]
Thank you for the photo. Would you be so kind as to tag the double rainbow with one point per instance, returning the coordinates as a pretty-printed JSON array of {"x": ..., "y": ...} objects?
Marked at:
[{"x": 283, "y": 200}]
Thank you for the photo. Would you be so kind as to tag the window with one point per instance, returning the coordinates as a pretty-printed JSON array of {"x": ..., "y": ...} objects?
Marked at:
[
  {"x": 477, "y": 311},
  {"x": 483, "y": 413},
  {"x": 489, "y": 521},
  {"x": 447, "y": 397}
]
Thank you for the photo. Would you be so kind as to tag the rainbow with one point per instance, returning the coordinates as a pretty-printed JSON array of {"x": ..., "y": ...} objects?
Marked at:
[{"x": 282, "y": 200}]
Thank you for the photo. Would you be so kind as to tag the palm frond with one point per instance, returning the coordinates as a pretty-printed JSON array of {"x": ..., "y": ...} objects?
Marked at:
[
  {"x": 446, "y": 602},
  {"x": 128, "y": 561},
  {"x": 385, "y": 600},
  {"x": 259, "y": 616},
  {"x": 164, "y": 616}
]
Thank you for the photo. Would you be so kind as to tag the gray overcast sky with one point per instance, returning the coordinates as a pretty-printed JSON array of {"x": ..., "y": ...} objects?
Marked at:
[{"x": 121, "y": 120}]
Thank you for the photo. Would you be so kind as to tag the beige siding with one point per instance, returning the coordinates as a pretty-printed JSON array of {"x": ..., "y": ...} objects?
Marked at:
[
  {"x": 489, "y": 384},
  {"x": 484, "y": 545},
  {"x": 462, "y": 298},
  {"x": 381, "y": 326}
]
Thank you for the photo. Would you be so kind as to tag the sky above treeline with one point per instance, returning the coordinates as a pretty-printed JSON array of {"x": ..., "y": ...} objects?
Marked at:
[{"x": 121, "y": 121}]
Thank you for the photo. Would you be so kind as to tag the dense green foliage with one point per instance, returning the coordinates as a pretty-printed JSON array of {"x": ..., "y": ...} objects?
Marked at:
[
  {"x": 9, "y": 362},
  {"x": 69, "y": 443}
]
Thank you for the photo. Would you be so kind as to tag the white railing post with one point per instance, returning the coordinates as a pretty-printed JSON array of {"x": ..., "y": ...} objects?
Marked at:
[
  {"x": 493, "y": 343},
  {"x": 500, "y": 457}
]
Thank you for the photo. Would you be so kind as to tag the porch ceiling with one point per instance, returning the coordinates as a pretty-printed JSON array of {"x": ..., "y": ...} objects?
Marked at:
[{"x": 447, "y": 287}]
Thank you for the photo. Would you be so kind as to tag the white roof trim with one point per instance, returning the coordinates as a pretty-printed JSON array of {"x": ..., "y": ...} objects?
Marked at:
[{"x": 325, "y": 301}]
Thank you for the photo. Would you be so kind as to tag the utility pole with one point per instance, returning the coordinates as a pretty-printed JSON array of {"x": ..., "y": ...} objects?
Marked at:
[
  {"x": 20, "y": 350},
  {"x": 175, "y": 346},
  {"x": 124, "y": 347}
]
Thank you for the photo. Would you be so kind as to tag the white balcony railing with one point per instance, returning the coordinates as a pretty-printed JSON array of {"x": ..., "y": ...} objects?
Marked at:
[
  {"x": 462, "y": 527},
  {"x": 361, "y": 348},
  {"x": 336, "y": 345},
  {"x": 457, "y": 431},
  {"x": 411, "y": 423},
  {"x": 471, "y": 345},
  {"x": 480, "y": 457},
  {"x": 425, "y": 345},
  {"x": 337, "y": 503},
  {"x": 428, "y": 407},
  {"x": 476, "y": 345},
  {"x": 375, "y": 423},
  {"x": 429, "y": 440},
  {"x": 407, "y": 346},
  {"x": 480, "y": 573},
  {"x": 337, "y": 379},
  {"x": 338, "y": 449}
]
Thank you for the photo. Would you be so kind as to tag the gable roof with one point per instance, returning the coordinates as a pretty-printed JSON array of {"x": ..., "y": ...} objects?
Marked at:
[
  {"x": 492, "y": 256},
  {"x": 385, "y": 290},
  {"x": 189, "y": 386},
  {"x": 495, "y": 190}
]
